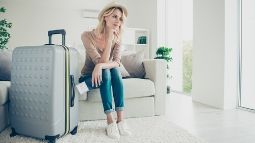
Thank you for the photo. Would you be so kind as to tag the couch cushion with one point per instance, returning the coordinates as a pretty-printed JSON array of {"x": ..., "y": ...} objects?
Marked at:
[
  {"x": 133, "y": 87},
  {"x": 134, "y": 64},
  {"x": 134, "y": 107},
  {"x": 4, "y": 85}
]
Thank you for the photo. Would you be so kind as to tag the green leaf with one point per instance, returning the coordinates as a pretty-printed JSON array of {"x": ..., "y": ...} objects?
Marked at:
[
  {"x": 164, "y": 53},
  {"x": 4, "y": 34},
  {"x": 2, "y": 9}
]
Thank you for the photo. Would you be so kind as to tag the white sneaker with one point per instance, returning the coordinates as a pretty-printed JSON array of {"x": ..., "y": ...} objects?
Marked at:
[
  {"x": 123, "y": 128},
  {"x": 112, "y": 131}
]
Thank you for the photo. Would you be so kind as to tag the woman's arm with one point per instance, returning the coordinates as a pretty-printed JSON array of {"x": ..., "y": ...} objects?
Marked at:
[
  {"x": 97, "y": 72},
  {"x": 108, "y": 65},
  {"x": 90, "y": 47},
  {"x": 101, "y": 62},
  {"x": 109, "y": 36},
  {"x": 116, "y": 58}
]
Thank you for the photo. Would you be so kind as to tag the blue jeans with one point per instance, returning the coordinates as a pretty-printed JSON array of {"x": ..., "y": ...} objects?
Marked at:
[{"x": 111, "y": 82}]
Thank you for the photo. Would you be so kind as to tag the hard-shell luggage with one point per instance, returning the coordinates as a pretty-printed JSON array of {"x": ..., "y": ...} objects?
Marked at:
[{"x": 42, "y": 98}]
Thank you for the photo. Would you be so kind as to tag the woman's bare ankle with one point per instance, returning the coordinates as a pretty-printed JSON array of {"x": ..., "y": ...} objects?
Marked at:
[
  {"x": 109, "y": 118},
  {"x": 119, "y": 116}
]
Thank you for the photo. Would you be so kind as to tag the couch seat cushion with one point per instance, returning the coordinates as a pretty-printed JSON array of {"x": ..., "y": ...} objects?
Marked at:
[
  {"x": 4, "y": 85},
  {"x": 133, "y": 87}
]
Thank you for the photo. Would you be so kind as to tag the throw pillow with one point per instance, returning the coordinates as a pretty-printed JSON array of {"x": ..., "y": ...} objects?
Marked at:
[
  {"x": 5, "y": 65},
  {"x": 134, "y": 64},
  {"x": 124, "y": 72}
]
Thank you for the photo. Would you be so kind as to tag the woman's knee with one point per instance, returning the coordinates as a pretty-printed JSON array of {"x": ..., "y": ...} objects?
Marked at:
[
  {"x": 106, "y": 75},
  {"x": 115, "y": 73}
]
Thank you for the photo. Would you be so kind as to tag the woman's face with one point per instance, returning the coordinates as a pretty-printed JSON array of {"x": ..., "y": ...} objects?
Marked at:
[{"x": 114, "y": 20}]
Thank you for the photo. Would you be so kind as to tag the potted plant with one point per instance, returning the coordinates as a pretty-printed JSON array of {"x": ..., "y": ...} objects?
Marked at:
[
  {"x": 5, "y": 55},
  {"x": 165, "y": 53},
  {"x": 4, "y": 27}
]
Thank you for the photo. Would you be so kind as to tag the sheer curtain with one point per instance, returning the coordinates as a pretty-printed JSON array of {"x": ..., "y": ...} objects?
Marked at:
[{"x": 178, "y": 24}]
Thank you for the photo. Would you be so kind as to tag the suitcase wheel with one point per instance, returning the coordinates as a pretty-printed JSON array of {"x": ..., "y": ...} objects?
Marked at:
[
  {"x": 74, "y": 131},
  {"x": 13, "y": 133},
  {"x": 52, "y": 141}
]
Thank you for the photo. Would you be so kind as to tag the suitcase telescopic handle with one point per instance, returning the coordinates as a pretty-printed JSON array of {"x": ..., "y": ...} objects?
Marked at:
[{"x": 59, "y": 31}]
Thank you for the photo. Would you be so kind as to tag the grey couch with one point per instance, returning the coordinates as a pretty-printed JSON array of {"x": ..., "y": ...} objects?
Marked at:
[{"x": 143, "y": 97}]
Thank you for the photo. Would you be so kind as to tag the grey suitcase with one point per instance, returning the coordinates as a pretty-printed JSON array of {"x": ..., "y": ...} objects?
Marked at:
[{"x": 42, "y": 98}]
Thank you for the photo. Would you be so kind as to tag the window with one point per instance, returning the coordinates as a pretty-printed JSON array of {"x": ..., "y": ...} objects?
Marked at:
[{"x": 179, "y": 36}]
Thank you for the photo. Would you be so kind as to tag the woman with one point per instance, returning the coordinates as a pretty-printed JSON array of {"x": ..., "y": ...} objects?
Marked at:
[{"x": 101, "y": 69}]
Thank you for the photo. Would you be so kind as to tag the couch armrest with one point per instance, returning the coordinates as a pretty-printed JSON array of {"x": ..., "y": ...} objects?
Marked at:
[
  {"x": 156, "y": 71},
  {"x": 4, "y": 90}
]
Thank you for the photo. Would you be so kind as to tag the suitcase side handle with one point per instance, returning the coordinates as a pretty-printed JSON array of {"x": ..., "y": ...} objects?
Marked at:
[
  {"x": 72, "y": 97},
  {"x": 59, "y": 31}
]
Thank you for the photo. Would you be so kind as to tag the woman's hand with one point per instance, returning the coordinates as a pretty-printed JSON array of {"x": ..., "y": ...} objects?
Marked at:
[
  {"x": 116, "y": 31},
  {"x": 109, "y": 34},
  {"x": 116, "y": 35},
  {"x": 97, "y": 75},
  {"x": 112, "y": 34}
]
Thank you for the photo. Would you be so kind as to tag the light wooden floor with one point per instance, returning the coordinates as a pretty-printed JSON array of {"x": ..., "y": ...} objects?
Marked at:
[{"x": 212, "y": 125}]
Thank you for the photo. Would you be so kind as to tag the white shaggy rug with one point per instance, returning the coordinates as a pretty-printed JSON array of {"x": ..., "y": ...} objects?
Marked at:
[{"x": 144, "y": 130}]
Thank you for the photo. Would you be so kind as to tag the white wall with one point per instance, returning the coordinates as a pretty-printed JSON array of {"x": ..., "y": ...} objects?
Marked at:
[
  {"x": 33, "y": 18},
  {"x": 161, "y": 23},
  {"x": 143, "y": 14},
  {"x": 247, "y": 90},
  {"x": 214, "y": 79},
  {"x": 208, "y": 52},
  {"x": 231, "y": 53}
]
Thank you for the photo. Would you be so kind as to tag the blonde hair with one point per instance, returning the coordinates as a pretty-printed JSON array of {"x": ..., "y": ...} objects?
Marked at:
[{"x": 102, "y": 24}]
